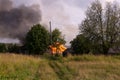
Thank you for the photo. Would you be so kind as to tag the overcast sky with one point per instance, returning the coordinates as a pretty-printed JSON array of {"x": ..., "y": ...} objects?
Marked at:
[{"x": 64, "y": 14}]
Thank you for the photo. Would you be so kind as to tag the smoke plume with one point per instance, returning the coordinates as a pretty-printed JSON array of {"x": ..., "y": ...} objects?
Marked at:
[{"x": 16, "y": 21}]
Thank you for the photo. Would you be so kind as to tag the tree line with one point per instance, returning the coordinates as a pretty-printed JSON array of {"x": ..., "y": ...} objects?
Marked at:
[{"x": 99, "y": 32}]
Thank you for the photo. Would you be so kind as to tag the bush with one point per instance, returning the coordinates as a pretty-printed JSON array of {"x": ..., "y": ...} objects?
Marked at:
[
  {"x": 80, "y": 45},
  {"x": 13, "y": 48},
  {"x": 2, "y": 47}
]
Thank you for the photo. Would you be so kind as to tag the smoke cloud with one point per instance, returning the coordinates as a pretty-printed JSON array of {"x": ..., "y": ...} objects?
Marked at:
[{"x": 16, "y": 21}]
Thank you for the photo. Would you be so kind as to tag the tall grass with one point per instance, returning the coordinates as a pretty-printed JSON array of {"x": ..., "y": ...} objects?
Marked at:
[
  {"x": 91, "y": 67},
  {"x": 84, "y": 67},
  {"x": 19, "y": 67}
]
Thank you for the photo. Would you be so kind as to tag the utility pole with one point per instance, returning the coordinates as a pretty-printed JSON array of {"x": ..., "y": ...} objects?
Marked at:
[{"x": 50, "y": 32}]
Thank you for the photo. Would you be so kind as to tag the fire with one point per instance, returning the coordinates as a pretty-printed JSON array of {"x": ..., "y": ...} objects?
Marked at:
[{"x": 57, "y": 48}]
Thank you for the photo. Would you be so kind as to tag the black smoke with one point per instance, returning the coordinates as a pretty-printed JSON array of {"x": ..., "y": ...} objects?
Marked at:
[{"x": 16, "y": 21}]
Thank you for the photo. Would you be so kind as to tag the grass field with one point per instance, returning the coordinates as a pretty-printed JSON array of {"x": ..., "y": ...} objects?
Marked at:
[{"x": 84, "y": 67}]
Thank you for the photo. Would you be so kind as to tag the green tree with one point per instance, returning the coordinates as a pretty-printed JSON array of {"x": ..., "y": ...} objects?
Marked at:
[
  {"x": 101, "y": 26},
  {"x": 57, "y": 36},
  {"x": 112, "y": 25},
  {"x": 37, "y": 39}
]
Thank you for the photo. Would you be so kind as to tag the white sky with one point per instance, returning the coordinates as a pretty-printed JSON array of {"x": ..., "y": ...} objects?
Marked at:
[{"x": 64, "y": 14}]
